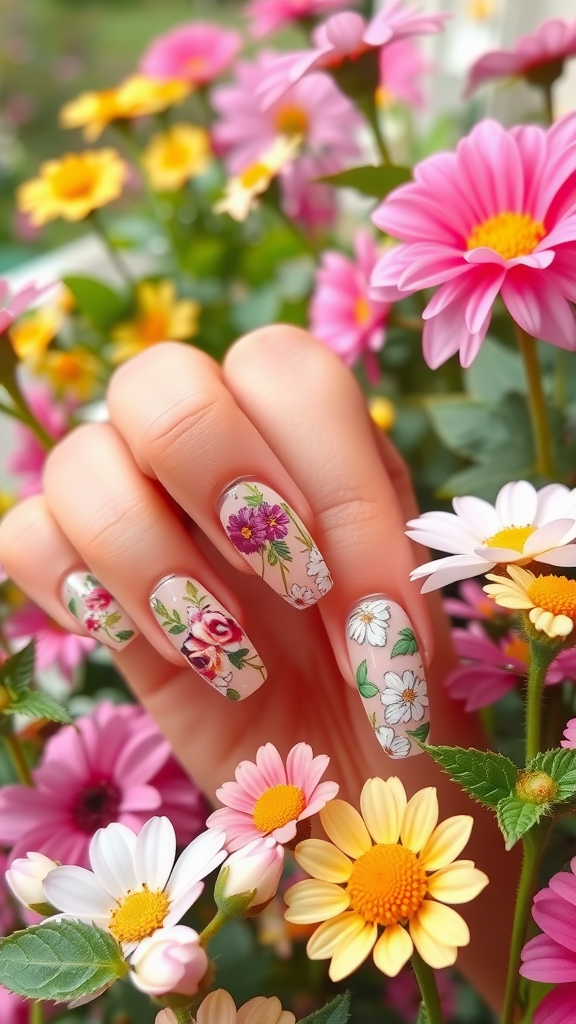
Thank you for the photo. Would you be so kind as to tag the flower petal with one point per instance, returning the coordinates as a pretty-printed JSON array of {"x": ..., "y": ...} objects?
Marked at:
[
  {"x": 344, "y": 826},
  {"x": 420, "y": 819},
  {"x": 312, "y": 901},
  {"x": 380, "y": 811},
  {"x": 77, "y": 891},
  {"x": 435, "y": 954},
  {"x": 393, "y": 950},
  {"x": 550, "y": 535},
  {"x": 323, "y": 860},
  {"x": 217, "y": 1008},
  {"x": 351, "y": 952},
  {"x": 447, "y": 841},
  {"x": 459, "y": 882},
  {"x": 443, "y": 924},
  {"x": 112, "y": 853},
  {"x": 322, "y": 944},
  {"x": 155, "y": 852}
]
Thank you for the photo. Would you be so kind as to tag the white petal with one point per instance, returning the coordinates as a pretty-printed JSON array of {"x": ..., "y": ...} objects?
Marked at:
[
  {"x": 185, "y": 900},
  {"x": 443, "y": 571},
  {"x": 155, "y": 852},
  {"x": 77, "y": 891},
  {"x": 112, "y": 853},
  {"x": 516, "y": 504},
  {"x": 560, "y": 556},
  {"x": 393, "y": 681},
  {"x": 477, "y": 515},
  {"x": 550, "y": 535},
  {"x": 195, "y": 862},
  {"x": 396, "y": 713}
]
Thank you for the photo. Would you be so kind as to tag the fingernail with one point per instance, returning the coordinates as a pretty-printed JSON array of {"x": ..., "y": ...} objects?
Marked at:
[
  {"x": 274, "y": 540},
  {"x": 387, "y": 665},
  {"x": 97, "y": 610},
  {"x": 210, "y": 639}
]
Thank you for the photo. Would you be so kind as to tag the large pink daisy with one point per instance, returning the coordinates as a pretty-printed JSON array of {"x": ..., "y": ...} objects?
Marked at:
[
  {"x": 28, "y": 459},
  {"x": 196, "y": 53},
  {"x": 538, "y": 56},
  {"x": 497, "y": 217},
  {"x": 270, "y": 797},
  {"x": 551, "y": 956}
]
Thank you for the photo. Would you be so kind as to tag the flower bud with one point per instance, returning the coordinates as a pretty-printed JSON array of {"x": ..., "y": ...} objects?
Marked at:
[
  {"x": 171, "y": 960},
  {"x": 26, "y": 875},
  {"x": 256, "y": 866}
]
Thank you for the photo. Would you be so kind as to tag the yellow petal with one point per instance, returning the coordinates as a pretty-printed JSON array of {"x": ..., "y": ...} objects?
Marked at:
[
  {"x": 263, "y": 1011},
  {"x": 328, "y": 936},
  {"x": 457, "y": 883},
  {"x": 247, "y": 1009},
  {"x": 521, "y": 576},
  {"x": 217, "y": 1008},
  {"x": 323, "y": 860},
  {"x": 393, "y": 950},
  {"x": 446, "y": 842},
  {"x": 443, "y": 924},
  {"x": 344, "y": 826},
  {"x": 420, "y": 818},
  {"x": 434, "y": 953},
  {"x": 350, "y": 953},
  {"x": 380, "y": 811},
  {"x": 399, "y": 794},
  {"x": 312, "y": 901}
]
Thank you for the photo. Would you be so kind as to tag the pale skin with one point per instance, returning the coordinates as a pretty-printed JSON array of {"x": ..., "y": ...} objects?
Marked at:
[{"x": 284, "y": 410}]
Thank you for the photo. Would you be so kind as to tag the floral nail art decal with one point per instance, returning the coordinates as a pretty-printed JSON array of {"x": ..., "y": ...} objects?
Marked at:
[
  {"x": 95, "y": 609},
  {"x": 208, "y": 637},
  {"x": 389, "y": 675},
  {"x": 274, "y": 540}
]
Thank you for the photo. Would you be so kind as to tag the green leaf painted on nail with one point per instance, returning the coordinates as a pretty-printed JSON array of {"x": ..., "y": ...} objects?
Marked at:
[
  {"x": 366, "y": 688},
  {"x": 177, "y": 629},
  {"x": 191, "y": 590},
  {"x": 282, "y": 550},
  {"x": 160, "y": 608},
  {"x": 232, "y": 694},
  {"x": 112, "y": 619},
  {"x": 124, "y": 635},
  {"x": 236, "y": 658},
  {"x": 421, "y": 733},
  {"x": 254, "y": 498},
  {"x": 73, "y": 607},
  {"x": 407, "y": 644}
]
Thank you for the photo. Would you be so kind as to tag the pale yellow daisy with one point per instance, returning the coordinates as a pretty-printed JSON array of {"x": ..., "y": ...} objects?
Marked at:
[
  {"x": 549, "y": 600},
  {"x": 390, "y": 868},
  {"x": 241, "y": 193},
  {"x": 176, "y": 155}
]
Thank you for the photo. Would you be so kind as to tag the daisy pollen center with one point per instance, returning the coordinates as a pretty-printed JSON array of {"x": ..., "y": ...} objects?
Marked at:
[
  {"x": 387, "y": 884},
  {"x": 513, "y": 537},
  {"x": 362, "y": 311},
  {"x": 277, "y": 806},
  {"x": 73, "y": 179},
  {"x": 291, "y": 120},
  {"x": 509, "y": 234},
  {"x": 138, "y": 915},
  {"x": 556, "y": 594}
]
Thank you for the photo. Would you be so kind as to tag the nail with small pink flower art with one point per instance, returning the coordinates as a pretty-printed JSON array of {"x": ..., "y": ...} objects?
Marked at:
[
  {"x": 551, "y": 957},
  {"x": 95, "y": 609},
  {"x": 273, "y": 798},
  {"x": 538, "y": 56},
  {"x": 197, "y": 53}
]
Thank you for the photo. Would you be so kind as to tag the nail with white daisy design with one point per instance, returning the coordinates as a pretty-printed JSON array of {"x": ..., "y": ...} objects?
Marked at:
[{"x": 389, "y": 673}]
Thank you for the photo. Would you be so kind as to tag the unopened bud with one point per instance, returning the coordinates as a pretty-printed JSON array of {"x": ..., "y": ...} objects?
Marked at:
[
  {"x": 536, "y": 788},
  {"x": 172, "y": 960},
  {"x": 26, "y": 875},
  {"x": 256, "y": 867}
]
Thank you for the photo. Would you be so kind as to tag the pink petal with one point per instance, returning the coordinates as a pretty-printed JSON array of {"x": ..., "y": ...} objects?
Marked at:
[
  {"x": 555, "y": 917},
  {"x": 558, "y": 1007},
  {"x": 271, "y": 765},
  {"x": 543, "y": 959},
  {"x": 297, "y": 764},
  {"x": 285, "y": 833},
  {"x": 537, "y": 304}
]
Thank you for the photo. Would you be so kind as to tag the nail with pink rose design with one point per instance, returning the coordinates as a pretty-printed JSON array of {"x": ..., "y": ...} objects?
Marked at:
[
  {"x": 207, "y": 636},
  {"x": 274, "y": 541},
  {"x": 95, "y": 609},
  {"x": 387, "y": 665}
]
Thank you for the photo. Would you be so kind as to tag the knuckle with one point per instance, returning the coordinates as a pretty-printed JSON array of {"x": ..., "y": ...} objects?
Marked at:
[
  {"x": 16, "y": 528},
  {"x": 175, "y": 432},
  {"x": 114, "y": 525},
  {"x": 350, "y": 512}
]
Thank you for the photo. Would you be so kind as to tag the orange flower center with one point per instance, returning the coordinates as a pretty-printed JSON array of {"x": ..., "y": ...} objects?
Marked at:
[
  {"x": 510, "y": 234},
  {"x": 139, "y": 915},
  {"x": 68, "y": 366},
  {"x": 175, "y": 154},
  {"x": 74, "y": 178},
  {"x": 246, "y": 532},
  {"x": 362, "y": 311},
  {"x": 387, "y": 884},
  {"x": 153, "y": 327},
  {"x": 291, "y": 120},
  {"x": 255, "y": 176},
  {"x": 408, "y": 696},
  {"x": 519, "y": 649},
  {"x": 277, "y": 806},
  {"x": 513, "y": 537},
  {"x": 555, "y": 594}
]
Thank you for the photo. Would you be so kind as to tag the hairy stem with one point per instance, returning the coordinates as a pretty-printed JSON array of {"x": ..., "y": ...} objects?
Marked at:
[
  {"x": 212, "y": 927},
  {"x": 184, "y": 1016},
  {"x": 537, "y": 402},
  {"x": 36, "y": 1015},
  {"x": 541, "y": 656},
  {"x": 428, "y": 988},
  {"x": 533, "y": 844}
]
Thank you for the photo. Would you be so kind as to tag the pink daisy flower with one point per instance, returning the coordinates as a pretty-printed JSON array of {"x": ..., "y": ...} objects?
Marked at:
[
  {"x": 538, "y": 56},
  {"x": 13, "y": 1009},
  {"x": 109, "y": 766},
  {"x": 196, "y": 53},
  {"x": 402, "y": 65},
  {"x": 13, "y": 305},
  {"x": 29, "y": 456},
  {"x": 270, "y": 798},
  {"x": 569, "y": 740},
  {"x": 473, "y": 603},
  {"x": 269, "y": 15},
  {"x": 487, "y": 221},
  {"x": 306, "y": 201},
  {"x": 551, "y": 957},
  {"x": 55, "y": 647},
  {"x": 342, "y": 314}
]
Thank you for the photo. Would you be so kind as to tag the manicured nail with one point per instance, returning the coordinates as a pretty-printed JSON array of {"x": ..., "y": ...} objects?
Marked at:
[
  {"x": 274, "y": 540},
  {"x": 210, "y": 639},
  {"x": 97, "y": 610},
  {"x": 387, "y": 665}
]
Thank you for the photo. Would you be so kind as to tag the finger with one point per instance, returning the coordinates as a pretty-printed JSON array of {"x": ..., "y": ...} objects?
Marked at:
[
  {"x": 190, "y": 435},
  {"x": 123, "y": 529}
]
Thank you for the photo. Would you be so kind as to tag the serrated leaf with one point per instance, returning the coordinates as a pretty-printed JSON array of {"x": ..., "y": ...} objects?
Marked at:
[
  {"x": 516, "y": 818},
  {"x": 125, "y": 634},
  {"x": 112, "y": 619},
  {"x": 560, "y": 765},
  {"x": 191, "y": 590},
  {"x": 370, "y": 181},
  {"x": 255, "y": 496},
  {"x": 281, "y": 549},
  {"x": 40, "y": 705},
  {"x": 232, "y": 694},
  {"x": 60, "y": 961},
  {"x": 177, "y": 629},
  {"x": 421, "y": 733},
  {"x": 236, "y": 658},
  {"x": 407, "y": 644},
  {"x": 336, "y": 1012},
  {"x": 487, "y": 776},
  {"x": 160, "y": 608},
  {"x": 16, "y": 673}
]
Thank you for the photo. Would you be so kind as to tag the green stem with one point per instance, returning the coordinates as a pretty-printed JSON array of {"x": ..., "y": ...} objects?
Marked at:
[
  {"x": 212, "y": 927},
  {"x": 541, "y": 656},
  {"x": 22, "y": 413},
  {"x": 371, "y": 115},
  {"x": 100, "y": 230},
  {"x": 184, "y": 1016},
  {"x": 36, "y": 1013},
  {"x": 548, "y": 103},
  {"x": 537, "y": 403},
  {"x": 410, "y": 323},
  {"x": 18, "y": 760},
  {"x": 533, "y": 844},
  {"x": 428, "y": 988}
]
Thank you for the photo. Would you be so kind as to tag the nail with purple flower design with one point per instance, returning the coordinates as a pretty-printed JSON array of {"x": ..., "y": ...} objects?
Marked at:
[{"x": 275, "y": 542}]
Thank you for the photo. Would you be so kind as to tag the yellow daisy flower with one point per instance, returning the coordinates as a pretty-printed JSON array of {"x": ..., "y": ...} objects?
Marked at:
[
  {"x": 73, "y": 186},
  {"x": 392, "y": 867},
  {"x": 31, "y": 335},
  {"x": 160, "y": 317},
  {"x": 549, "y": 600},
  {"x": 92, "y": 111},
  {"x": 72, "y": 372},
  {"x": 138, "y": 96},
  {"x": 174, "y": 156},
  {"x": 382, "y": 412},
  {"x": 241, "y": 192}
]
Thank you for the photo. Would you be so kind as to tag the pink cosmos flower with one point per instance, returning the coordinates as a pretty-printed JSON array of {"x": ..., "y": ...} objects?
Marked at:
[
  {"x": 55, "y": 647},
  {"x": 402, "y": 65},
  {"x": 14, "y": 305},
  {"x": 111, "y": 765},
  {"x": 473, "y": 603},
  {"x": 196, "y": 52},
  {"x": 269, "y": 15},
  {"x": 569, "y": 735},
  {"x": 308, "y": 202},
  {"x": 551, "y": 957},
  {"x": 270, "y": 798},
  {"x": 486, "y": 221},
  {"x": 342, "y": 314},
  {"x": 531, "y": 56},
  {"x": 29, "y": 456}
]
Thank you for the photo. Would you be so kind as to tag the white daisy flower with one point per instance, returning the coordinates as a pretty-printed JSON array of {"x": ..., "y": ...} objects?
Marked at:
[
  {"x": 368, "y": 623},
  {"x": 300, "y": 597},
  {"x": 134, "y": 887},
  {"x": 316, "y": 566},
  {"x": 393, "y": 745},
  {"x": 524, "y": 525},
  {"x": 404, "y": 698}
]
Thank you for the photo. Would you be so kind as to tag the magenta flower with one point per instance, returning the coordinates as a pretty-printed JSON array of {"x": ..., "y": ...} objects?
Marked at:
[
  {"x": 402, "y": 65},
  {"x": 28, "y": 459},
  {"x": 551, "y": 957},
  {"x": 55, "y": 646},
  {"x": 269, "y": 15},
  {"x": 342, "y": 314},
  {"x": 482, "y": 222},
  {"x": 273, "y": 520},
  {"x": 569, "y": 735},
  {"x": 13, "y": 1009},
  {"x": 473, "y": 603},
  {"x": 245, "y": 531},
  {"x": 14, "y": 305},
  {"x": 111, "y": 765},
  {"x": 308, "y": 202},
  {"x": 196, "y": 52},
  {"x": 538, "y": 56}
]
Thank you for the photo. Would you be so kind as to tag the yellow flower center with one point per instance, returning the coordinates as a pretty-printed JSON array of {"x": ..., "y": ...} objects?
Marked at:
[
  {"x": 139, "y": 915},
  {"x": 387, "y": 884},
  {"x": 519, "y": 649},
  {"x": 153, "y": 327},
  {"x": 277, "y": 806},
  {"x": 362, "y": 311},
  {"x": 68, "y": 367},
  {"x": 196, "y": 64},
  {"x": 555, "y": 594},
  {"x": 175, "y": 153},
  {"x": 408, "y": 696},
  {"x": 246, "y": 532},
  {"x": 256, "y": 175},
  {"x": 513, "y": 537},
  {"x": 292, "y": 120},
  {"x": 481, "y": 10},
  {"x": 74, "y": 178},
  {"x": 510, "y": 234}
]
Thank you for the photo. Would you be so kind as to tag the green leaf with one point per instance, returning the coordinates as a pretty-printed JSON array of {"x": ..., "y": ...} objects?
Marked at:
[
  {"x": 408, "y": 643},
  {"x": 370, "y": 181},
  {"x": 336, "y": 1012},
  {"x": 422, "y": 1017},
  {"x": 516, "y": 818},
  {"x": 112, "y": 619},
  {"x": 487, "y": 776},
  {"x": 365, "y": 688},
  {"x": 124, "y": 634},
  {"x": 421, "y": 733},
  {"x": 73, "y": 607},
  {"x": 60, "y": 960},
  {"x": 495, "y": 372},
  {"x": 255, "y": 496},
  {"x": 16, "y": 673},
  {"x": 191, "y": 590},
  {"x": 282, "y": 550},
  {"x": 560, "y": 765},
  {"x": 160, "y": 608},
  {"x": 177, "y": 628},
  {"x": 272, "y": 556},
  {"x": 232, "y": 694},
  {"x": 99, "y": 303},
  {"x": 40, "y": 705},
  {"x": 236, "y": 658}
]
